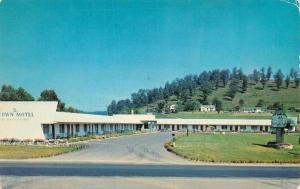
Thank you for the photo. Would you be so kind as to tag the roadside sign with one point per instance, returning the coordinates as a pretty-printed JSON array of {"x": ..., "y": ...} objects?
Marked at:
[{"x": 279, "y": 120}]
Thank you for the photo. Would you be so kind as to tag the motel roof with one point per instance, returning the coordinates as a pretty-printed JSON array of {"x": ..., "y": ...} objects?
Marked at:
[
  {"x": 45, "y": 112},
  {"x": 66, "y": 117},
  {"x": 214, "y": 122}
]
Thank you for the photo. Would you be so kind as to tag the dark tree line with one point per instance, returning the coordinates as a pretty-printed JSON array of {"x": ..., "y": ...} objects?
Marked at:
[
  {"x": 183, "y": 90},
  {"x": 9, "y": 93}
]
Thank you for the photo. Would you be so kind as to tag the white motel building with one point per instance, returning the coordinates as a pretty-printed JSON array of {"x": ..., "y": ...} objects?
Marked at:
[{"x": 40, "y": 120}]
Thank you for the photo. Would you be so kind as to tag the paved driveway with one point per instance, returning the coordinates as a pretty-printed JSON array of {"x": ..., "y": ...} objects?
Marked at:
[{"x": 144, "y": 148}]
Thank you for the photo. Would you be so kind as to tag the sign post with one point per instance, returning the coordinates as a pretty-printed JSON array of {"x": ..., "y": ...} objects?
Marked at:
[
  {"x": 279, "y": 122},
  {"x": 173, "y": 139}
]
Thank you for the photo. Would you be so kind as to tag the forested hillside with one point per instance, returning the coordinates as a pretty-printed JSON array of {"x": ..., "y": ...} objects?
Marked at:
[{"x": 228, "y": 90}]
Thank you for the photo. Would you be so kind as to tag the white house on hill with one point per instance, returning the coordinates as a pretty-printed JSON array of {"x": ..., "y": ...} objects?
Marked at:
[{"x": 207, "y": 108}]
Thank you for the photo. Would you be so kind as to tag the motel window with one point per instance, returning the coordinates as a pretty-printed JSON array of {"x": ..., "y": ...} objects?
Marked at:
[
  {"x": 61, "y": 128},
  {"x": 261, "y": 128},
  {"x": 77, "y": 128},
  {"x": 96, "y": 128},
  {"x": 184, "y": 126},
  {"x": 243, "y": 127},
  {"x": 85, "y": 128},
  {"x": 224, "y": 127},
  {"x": 46, "y": 129},
  {"x": 254, "y": 127}
]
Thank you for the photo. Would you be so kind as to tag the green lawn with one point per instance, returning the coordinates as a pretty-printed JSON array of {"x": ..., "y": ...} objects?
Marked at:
[
  {"x": 25, "y": 152},
  {"x": 201, "y": 115},
  {"x": 238, "y": 147}
]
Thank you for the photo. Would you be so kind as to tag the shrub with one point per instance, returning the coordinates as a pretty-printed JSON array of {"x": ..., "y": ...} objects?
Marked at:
[
  {"x": 27, "y": 140},
  {"x": 13, "y": 140},
  {"x": 38, "y": 140}
]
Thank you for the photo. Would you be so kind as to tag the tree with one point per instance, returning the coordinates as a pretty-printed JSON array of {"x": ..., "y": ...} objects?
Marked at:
[
  {"x": 263, "y": 78},
  {"x": 234, "y": 74},
  {"x": 287, "y": 81},
  {"x": 276, "y": 105},
  {"x": 224, "y": 76},
  {"x": 297, "y": 82},
  {"x": 294, "y": 76},
  {"x": 154, "y": 95},
  {"x": 191, "y": 105},
  {"x": 50, "y": 95},
  {"x": 9, "y": 93},
  {"x": 206, "y": 90},
  {"x": 269, "y": 73},
  {"x": 185, "y": 95},
  {"x": 233, "y": 88},
  {"x": 203, "y": 77},
  {"x": 255, "y": 76},
  {"x": 244, "y": 83},
  {"x": 23, "y": 95},
  {"x": 140, "y": 98},
  {"x": 123, "y": 106},
  {"x": 218, "y": 104},
  {"x": 278, "y": 77},
  {"x": 71, "y": 109},
  {"x": 260, "y": 103},
  {"x": 215, "y": 77},
  {"x": 293, "y": 73},
  {"x": 241, "y": 102},
  {"x": 240, "y": 74},
  {"x": 160, "y": 106},
  {"x": 112, "y": 108}
]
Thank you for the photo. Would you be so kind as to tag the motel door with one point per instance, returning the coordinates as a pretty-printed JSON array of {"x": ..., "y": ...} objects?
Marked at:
[
  {"x": 173, "y": 127},
  {"x": 236, "y": 128},
  {"x": 72, "y": 130},
  {"x": 138, "y": 127},
  {"x": 68, "y": 130},
  {"x": 146, "y": 126},
  {"x": 53, "y": 131}
]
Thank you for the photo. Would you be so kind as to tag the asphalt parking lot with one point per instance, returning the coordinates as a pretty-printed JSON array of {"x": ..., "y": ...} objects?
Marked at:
[{"x": 143, "y": 148}]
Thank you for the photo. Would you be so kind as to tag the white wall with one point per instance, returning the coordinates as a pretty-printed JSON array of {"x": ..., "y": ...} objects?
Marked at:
[{"x": 23, "y": 120}]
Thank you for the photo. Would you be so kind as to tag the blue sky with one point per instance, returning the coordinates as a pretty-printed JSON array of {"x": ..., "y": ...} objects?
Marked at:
[{"x": 91, "y": 51}]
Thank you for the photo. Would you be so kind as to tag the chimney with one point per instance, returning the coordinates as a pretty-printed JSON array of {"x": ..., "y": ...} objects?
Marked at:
[{"x": 132, "y": 112}]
